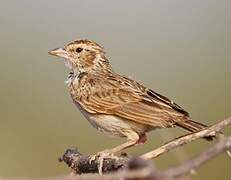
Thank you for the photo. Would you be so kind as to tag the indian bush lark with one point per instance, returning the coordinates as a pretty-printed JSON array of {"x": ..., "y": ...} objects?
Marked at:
[{"x": 115, "y": 104}]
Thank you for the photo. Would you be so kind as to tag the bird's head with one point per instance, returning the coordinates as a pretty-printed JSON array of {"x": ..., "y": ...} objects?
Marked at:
[{"x": 84, "y": 56}]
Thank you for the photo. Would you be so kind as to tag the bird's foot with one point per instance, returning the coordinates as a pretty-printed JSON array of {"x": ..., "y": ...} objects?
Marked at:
[{"x": 101, "y": 156}]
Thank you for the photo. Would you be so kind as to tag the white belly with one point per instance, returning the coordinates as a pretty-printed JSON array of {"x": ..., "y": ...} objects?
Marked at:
[{"x": 112, "y": 125}]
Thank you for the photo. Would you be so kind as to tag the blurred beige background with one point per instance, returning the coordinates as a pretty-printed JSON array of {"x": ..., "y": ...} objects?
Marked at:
[{"x": 179, "y": 48}]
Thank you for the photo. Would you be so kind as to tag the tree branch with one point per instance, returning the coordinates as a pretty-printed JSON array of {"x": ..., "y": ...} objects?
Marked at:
[
  {"x": 80, "y": 163},
  {"x": 83, "y": 163},
  {"x": 187, "y": 138},
  {"x": 177, "y": 171},
  {"x": 194, "y": 163},
  {"x": 137, "y": 168}
]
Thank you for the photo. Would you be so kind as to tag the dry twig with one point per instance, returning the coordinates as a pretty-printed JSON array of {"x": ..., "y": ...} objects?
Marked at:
[
  {"x": 212, "y": 130},
  {"x": 83, "y": 164},
  {"x": 194, "y": 163},
  {"x": 80, "y": 163}
]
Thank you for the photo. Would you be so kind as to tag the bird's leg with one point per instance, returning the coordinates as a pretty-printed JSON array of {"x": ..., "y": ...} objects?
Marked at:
[
  {"x": 121, "y": 147},
  {"x": 141, "y": 139},
  {"x": 132, "y": 139},
  {"x": 109, "y": 153}
]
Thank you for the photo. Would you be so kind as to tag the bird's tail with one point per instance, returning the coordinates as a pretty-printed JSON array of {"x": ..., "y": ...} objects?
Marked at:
[{"x": 194, "y": 126}]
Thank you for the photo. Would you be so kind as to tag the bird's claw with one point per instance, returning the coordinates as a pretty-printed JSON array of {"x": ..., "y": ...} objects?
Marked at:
[
  {"x": 101, "y": 156},
  {"x": 92, "y": 158}
]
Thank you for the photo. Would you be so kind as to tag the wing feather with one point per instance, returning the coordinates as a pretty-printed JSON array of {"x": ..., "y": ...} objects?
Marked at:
[{"x": 133, "y": 102}]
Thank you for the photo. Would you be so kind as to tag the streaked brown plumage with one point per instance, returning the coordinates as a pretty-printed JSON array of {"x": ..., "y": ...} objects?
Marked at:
[{"x": 115, "y": 104}]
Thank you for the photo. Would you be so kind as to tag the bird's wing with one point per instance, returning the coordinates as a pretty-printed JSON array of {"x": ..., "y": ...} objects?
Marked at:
[
  {"x": 167, "y": 101},
  {"x": 130, "y": 100}
]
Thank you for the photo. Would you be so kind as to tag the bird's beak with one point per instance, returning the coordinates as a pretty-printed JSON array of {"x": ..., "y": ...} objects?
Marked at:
[{"x": 60, "y": 52}]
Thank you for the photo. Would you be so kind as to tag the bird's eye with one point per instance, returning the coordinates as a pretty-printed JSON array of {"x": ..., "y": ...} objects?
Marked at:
[{"x": 78, "y": 50}]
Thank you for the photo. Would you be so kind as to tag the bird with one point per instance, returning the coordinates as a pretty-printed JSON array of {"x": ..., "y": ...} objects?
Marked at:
[{"x": 116, "y": 104}]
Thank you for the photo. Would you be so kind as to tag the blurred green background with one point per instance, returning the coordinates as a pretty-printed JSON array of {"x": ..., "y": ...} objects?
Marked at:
[{"x": 179, "y": 48}]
